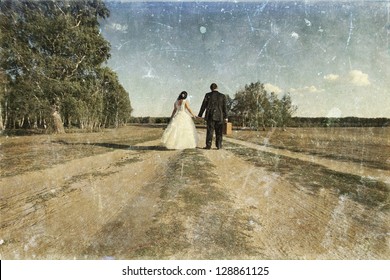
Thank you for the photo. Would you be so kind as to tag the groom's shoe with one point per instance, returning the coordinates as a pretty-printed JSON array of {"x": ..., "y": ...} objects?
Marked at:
[{"x": 207, "y": 148}]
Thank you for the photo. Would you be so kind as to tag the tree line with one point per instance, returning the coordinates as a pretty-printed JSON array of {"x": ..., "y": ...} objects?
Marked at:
[
  {"x": 254, "y": 108},
  {"x": 339, "y": 122},
  {"x": 251, "y": 107},
  {"x": 52, "y": 71}
]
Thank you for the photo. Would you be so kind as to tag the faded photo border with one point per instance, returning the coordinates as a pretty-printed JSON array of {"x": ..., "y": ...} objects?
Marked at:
[{"x": 332, "y": 57}]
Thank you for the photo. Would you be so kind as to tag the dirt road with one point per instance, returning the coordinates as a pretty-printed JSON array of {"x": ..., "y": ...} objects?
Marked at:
[{"x": 144, "y": 202}]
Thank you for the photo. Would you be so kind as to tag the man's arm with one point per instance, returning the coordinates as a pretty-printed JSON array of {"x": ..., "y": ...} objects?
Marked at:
[
  {"x": 224, "y": 108},
  {"x": 204, "y": 105}
]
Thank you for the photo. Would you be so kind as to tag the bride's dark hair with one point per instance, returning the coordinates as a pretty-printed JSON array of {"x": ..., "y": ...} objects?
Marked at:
[{"x": 182, "y": 95}]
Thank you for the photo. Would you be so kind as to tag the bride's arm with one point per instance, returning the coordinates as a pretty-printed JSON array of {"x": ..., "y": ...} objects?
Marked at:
[
  {"x": 189, "y": 110},
  {"x": 174, "y": 110}
]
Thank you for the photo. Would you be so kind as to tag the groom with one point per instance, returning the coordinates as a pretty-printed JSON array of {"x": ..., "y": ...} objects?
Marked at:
[{"x": 214, "y": 103}]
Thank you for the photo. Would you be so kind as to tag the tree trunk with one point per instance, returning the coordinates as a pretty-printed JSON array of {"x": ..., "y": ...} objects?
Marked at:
[
  {"x": 57, "y": 122},
  {"x": 1, "y": 120},
  {"x": 26, "y": 122}
]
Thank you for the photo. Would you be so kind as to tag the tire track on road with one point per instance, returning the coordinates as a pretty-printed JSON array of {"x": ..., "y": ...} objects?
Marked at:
[
  {"x": 297, "y": 218},
  {"x": 73, "y": 202}
]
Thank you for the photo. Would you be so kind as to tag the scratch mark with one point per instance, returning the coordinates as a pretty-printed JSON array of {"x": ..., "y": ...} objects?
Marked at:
[
  {"x": 227, "y": 12},
  {"x": 264, "y": 47},
  {"x": 388, "y": 26},
  {"x": 261, "y": 9},
  {"x": 321, "y": 47},
  {"x": 119, "y": 46},
  {"x": 350, "y": 32},
  {"x": 249, "y": 21},
  {"x": 350, "y": 63},
  {"x": 162, "y": 24},
  {"x": 150, "y": 71}
]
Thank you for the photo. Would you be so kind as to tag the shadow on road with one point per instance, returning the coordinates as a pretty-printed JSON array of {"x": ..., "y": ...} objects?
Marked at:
[
  {"x": 130, "y": 147},
  {"x": 117, "y": 146}
]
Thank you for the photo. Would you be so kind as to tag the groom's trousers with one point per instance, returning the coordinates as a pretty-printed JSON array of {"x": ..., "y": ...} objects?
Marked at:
[{"x": 212, "y": 126}]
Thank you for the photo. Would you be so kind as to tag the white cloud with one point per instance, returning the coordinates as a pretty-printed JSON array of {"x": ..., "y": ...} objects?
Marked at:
[
  {"x": 331, "y": 77},
  {"x": 272, "y": 88},
  {"x": 119, "y": 27},
  {"x": 306, "y": 89},
  {"x": 295, "y": 35},
  {"x": 354, "y": 77},
  {"x": 313, "y": 89},
  {"x": 358, "y": 78}
]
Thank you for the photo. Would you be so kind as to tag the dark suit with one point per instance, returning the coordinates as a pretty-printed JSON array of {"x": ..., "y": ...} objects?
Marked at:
[{"x": 214, "y": 103}]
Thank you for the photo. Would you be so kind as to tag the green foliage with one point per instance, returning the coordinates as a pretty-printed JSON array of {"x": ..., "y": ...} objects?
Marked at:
[
  {"x": 52, "y": 54},
  {"x": 254, "y": 107}
]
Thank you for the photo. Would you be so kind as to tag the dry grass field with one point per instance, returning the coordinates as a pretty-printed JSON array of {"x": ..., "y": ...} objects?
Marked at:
[
  {"x": 118, "y": 194},
  {"x": 19, "y": 154},
  {"x": 368, "y": 146}
]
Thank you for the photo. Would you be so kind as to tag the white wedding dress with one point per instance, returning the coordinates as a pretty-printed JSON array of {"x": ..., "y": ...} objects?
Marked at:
[{"x": 180, "y": 132}]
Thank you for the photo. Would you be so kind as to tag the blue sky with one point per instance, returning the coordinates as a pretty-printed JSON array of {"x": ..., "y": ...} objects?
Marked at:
[{"x": 332, "y": 57}]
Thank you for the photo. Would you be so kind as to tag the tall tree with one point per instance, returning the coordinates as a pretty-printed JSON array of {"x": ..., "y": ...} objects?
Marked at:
[
  {"x": 287, "y": 110},
  {"x": 52, "y": 52},
  {"x": 3, "y": 89},
  {"x": 250, "y": 105},
  {"x": 272, "y": 112},
  {"x": 254, "y": 107},
  {"x": 115, "y": 99}
]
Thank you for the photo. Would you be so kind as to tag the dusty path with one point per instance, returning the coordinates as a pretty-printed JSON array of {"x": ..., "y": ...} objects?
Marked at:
[
  {"x": 192, "y": 204},
  {"x": 68, "y": 211},
  {"x": 294, "y": 223}
]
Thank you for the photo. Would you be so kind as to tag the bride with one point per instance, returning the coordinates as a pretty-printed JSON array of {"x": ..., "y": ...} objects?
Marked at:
[{"x": 181, "y": 132}]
